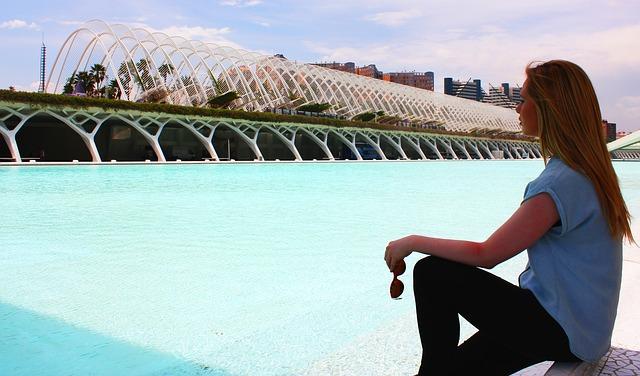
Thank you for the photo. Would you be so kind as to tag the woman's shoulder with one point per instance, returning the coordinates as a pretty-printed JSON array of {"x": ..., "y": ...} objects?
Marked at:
[
  {"x": 559, "y": 177},
  {"x": 557, "y": 172}
]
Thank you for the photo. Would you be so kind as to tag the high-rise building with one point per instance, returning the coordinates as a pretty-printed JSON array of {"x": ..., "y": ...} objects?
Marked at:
[
  {"x": 609, "y": 130},
  {"x": 415, "y": 79},
  {"x": 463, "y": 89}
]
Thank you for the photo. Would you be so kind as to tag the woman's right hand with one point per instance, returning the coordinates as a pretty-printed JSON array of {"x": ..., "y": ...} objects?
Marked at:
[{"x": 397, "y": 250}]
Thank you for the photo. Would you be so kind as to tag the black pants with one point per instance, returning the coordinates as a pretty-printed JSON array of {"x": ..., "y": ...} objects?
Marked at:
[{"x": 514, "y": 330}]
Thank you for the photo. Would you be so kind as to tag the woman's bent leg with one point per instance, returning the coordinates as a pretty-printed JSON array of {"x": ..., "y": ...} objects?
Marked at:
[
  {"x": 515, "y": 331},
  {"x": 438, "y": 322}
]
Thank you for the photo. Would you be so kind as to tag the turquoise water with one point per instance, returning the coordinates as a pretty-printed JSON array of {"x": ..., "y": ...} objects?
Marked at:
[{"x": 253, "y": 269}]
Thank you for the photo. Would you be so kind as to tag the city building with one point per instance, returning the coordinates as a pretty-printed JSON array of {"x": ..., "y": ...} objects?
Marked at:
[
  {"x": 415, "y": 79},
  {"x": 463, "y": 89},
  {"x": 497, "y": 97},
  {"x": 502, "y": 96},
  {"x": 348, "y": 67},
  {"x": 621, "y": 134},
  {"x": 369, "y": 71},
  {"x": 609, "y": 130},
  {"x": 514, "y": 94}
]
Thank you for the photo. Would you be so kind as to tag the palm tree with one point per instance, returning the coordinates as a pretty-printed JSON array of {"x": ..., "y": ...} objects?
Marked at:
[
  {"x": 217, "y": 83},
  {"x": 365, "y": 116},
  {"x": 126, "y": 71},
  {"x": 114, "y": 90},
  {"x": 98, "y": 74},
  {"x": 146, "y": 78},
  {"x": 293, "y": 100},
  {"x": 84, "y": 78},
  {"x": 68, "y": 87},
  {"x": 165, "y": 70},
  {"x": 223, "y": 100},
  {"x": 314, "y": 107}
]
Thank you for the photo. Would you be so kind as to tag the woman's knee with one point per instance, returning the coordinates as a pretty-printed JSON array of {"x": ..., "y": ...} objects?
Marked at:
[
  {"x": 433, "y": 268},
  {"x": 428, "y": 267}
]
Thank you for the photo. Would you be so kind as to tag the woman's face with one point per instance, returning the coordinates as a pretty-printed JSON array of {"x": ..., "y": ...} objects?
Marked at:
[{"x": 527, "y": 111}]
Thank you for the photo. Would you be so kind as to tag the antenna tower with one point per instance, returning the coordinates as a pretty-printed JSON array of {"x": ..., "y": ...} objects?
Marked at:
[{"x": 43, "y": 66}]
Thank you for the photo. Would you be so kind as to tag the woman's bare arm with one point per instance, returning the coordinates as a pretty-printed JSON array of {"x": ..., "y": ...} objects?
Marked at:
[{"x": 528, "y": 224}]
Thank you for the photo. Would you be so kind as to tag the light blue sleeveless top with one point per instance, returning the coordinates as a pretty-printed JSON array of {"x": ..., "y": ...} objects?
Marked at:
[{"x": 575, "y": 269}]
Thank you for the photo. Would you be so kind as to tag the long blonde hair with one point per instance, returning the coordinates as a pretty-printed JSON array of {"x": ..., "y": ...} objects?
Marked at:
[{"x": 570, "y": 127}]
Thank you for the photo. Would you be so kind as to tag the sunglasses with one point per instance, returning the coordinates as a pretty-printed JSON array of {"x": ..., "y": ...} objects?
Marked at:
[{"x": 397, "y": 287}]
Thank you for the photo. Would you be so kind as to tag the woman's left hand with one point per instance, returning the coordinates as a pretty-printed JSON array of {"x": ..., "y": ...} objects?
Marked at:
[{"x": 397, "y": 250}]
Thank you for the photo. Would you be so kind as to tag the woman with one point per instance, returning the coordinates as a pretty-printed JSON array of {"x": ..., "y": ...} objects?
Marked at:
[{"x": 572, "y": 221}]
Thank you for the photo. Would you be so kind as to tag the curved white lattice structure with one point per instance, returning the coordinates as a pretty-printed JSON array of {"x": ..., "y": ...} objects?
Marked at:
[{"x": 151, "y": 64}]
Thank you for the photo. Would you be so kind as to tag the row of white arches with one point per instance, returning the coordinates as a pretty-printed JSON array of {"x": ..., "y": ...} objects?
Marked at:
[
  {"x": 357, "y": 144},
  {"x": 186, "y": 72}
]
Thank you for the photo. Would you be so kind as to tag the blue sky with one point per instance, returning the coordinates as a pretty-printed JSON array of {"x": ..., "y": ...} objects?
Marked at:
[{"x": 490, "y": 40}]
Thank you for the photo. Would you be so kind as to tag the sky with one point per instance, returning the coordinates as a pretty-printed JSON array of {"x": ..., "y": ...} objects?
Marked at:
[{"x": 490, "y": 40}]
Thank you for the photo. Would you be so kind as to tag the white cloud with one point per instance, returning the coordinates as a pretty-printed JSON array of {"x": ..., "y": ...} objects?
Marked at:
[
  {"x": 198, "y": 33},
  {"x": 17, "y": 24},
  {"x": 70, "y": 22},
  {"x": 193, "y": 32},
  {"x": 32, "y": 87},
  {"x": 241, "y": 3},
  {"x": 395, "y": 18},
  {"x": 630, "y": 105}
]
